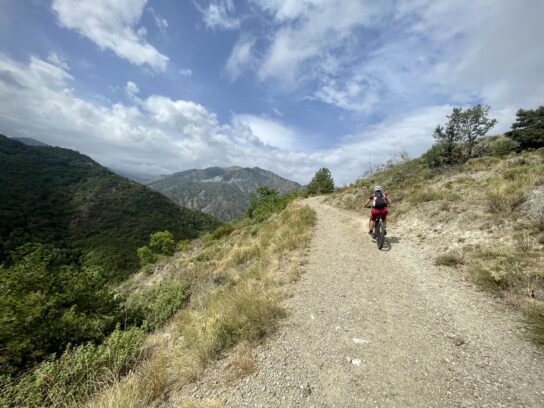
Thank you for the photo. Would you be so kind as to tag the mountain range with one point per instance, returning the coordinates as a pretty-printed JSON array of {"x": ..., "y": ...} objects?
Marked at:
[{"x": 222, "y": 192}]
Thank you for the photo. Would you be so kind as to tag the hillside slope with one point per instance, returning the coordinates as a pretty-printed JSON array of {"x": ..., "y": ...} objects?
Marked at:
[
  {"x": 61, "y": 197},
  {"x": 221, "y": 192},
  {"x": 483, "y": 219}
]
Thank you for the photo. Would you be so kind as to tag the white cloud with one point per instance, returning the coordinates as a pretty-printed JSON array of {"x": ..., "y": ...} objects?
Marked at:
[
  {"x": 131, "y": 88},
  {"x": 218, "y": 14},
  {"x": 112, "y": 25},
  {"x": 309, "y": 32},
  {"x": 270, "y": 132},
  {"x": 426, "y": 52},
  {"x": 162, "y": 135},
  {"x": 241, "y": 57}
]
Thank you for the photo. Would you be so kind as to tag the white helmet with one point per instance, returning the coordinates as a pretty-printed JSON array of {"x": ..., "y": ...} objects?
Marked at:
[{"x": 377, "y": 188}]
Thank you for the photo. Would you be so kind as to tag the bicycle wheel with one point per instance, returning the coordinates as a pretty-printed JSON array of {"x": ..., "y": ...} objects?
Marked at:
[{"x": 380, "y": 234}]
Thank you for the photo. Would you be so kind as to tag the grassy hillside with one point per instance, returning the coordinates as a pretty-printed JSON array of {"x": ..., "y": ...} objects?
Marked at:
[
  {"x": 485, "y": 218},
  {"x": 60, "y": 197},
  {"x": 213, "y": 300}
]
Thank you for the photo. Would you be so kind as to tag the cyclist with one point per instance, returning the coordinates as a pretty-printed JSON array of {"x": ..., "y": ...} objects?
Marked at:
[{"x": 380, "y": 202}]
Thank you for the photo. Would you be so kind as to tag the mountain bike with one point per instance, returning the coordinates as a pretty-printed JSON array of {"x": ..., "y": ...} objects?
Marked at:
[{"x": 378, "y": 232}]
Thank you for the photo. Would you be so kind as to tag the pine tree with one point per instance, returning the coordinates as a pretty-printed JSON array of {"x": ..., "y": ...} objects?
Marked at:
[
  {"x": 322, "y": 183},
  {"x": 528, "y": 129}
]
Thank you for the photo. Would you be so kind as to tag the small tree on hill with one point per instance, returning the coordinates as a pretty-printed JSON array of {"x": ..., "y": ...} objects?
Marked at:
[
  {"x": 458, "y": 140},
  {"x": 160, "y": 243},
  {"x": 322, "y": 183},
  {"x": 263, "y": 202},
  {"x": 528, "y": 129},
  {"x": 472, "y": 124},
  {"x": 163, "y": 243}
]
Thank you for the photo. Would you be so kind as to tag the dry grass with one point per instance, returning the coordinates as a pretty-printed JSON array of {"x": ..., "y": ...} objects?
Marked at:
[
  {"x": 243, "y": 361},
  {"x": 235, "y": 284}
]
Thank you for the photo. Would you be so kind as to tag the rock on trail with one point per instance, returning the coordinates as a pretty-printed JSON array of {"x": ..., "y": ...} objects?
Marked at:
[{"x": 371, "y": 328}]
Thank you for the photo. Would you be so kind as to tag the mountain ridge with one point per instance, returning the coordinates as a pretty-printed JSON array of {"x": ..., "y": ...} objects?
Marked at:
[
  {"x": 61, "y": 197},
  {"x": 222, "y": 192}
]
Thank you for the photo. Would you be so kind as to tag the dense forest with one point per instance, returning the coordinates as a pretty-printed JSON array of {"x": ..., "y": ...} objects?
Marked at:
[{"x": 60, "y": 197}]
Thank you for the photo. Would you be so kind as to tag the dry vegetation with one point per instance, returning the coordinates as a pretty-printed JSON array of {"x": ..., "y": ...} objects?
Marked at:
[
  {"x": 233, "y": 280},
  {"x": 484, "y": 218}
]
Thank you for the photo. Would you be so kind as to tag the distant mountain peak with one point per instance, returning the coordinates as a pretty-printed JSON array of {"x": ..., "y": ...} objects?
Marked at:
[{"x": 220, "y": 191}]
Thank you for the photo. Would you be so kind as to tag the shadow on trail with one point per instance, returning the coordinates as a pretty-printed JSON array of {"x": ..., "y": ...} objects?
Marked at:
[{"x": 387, "y": 245}]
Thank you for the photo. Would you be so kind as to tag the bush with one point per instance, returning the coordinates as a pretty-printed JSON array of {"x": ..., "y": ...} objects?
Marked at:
[
  {"x": 154, "y": 308},
  {"x": 46, "y": 304},
  {"x": 77, "y": 374},
  {"x": 183, "y": 244},
  {"x": 265, "y": 201},
  {"x": 503, "y": 147},
  {"x": 163, "y": 243},
  {"x": 146, "y": 256}
]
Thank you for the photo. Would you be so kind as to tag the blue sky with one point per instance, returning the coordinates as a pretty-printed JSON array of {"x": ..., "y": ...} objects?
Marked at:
[{"x": 159, "y": 86}]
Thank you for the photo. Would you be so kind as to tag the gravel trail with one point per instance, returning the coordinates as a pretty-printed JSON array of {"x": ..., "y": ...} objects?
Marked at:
[{"x": 371, "y": 328}]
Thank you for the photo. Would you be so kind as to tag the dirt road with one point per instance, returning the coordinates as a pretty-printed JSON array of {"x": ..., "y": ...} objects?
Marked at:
[{"x": 388, "y": 329}]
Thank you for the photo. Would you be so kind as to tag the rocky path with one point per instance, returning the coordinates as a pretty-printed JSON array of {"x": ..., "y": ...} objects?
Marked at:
[{"x": 371, "y": 328}]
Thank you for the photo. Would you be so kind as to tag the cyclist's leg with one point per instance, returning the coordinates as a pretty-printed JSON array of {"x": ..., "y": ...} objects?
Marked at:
[
  {"x": 384, "y": 219},
  {"x": 373, "y": 217}
]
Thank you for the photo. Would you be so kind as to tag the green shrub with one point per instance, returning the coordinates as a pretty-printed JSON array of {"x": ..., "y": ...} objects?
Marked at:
[
  {"x": 503, "y": 147},
  {"x": 266, "y": 201},
  {"x": 146, "y": 256},
  {"x": 76, "y": 375},
  {"x": 183, "y": 244},
  {"x": 46, "y": 304},
  {"x": 155, "y": 307},
  {"x": 162, "y": 242}
]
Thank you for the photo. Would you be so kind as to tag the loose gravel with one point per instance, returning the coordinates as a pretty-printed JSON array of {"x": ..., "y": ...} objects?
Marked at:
[{"x": 370, "y": 328}]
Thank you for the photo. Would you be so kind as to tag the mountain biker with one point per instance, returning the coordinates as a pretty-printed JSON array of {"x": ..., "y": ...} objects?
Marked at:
[{"x": 380, "y": 202}]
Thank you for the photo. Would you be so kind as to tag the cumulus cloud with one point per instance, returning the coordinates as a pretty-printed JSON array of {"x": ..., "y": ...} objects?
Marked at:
[
  {"x": 160, "y": 135},
  {"x": 218, "y": 14},
  {"x": 112, "y": 25}
]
